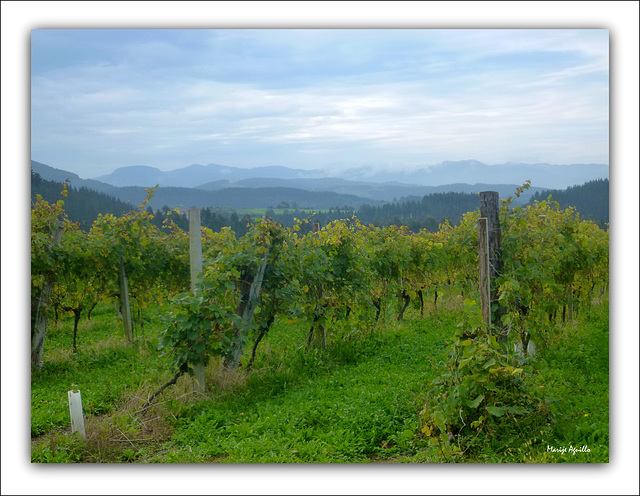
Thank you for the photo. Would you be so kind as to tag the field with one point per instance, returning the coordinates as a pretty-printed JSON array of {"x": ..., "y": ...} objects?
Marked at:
[
  {"x": 358, "y": 400},
  {"x": 259, "y": 212}
]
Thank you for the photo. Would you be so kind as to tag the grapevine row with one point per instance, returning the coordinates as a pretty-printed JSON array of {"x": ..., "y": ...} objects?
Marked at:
[{"x": 342, "y": 277}]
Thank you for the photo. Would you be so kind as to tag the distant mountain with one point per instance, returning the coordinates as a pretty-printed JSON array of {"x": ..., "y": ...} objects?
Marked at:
[
  {"x": 472, "y": 171},
  {"x": 217, "y": 185},
  {"x": 58, "y": 175},
  {"x": 549, "y": 176},
  {"x": 236, "y": 197},
  {"x": 421, "y": 206},
  {"x": 196, "y": 174},
  {"x": 375, "y": 191},
  {"x": 239, "y": 198},
  {"x": 52, "y": 174}
]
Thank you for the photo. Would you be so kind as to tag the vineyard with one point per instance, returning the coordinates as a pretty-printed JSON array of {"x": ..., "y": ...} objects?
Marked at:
[{"x": 336, "y": 343}]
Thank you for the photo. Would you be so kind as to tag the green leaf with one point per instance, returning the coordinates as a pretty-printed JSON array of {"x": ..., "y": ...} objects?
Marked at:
[
  {"x": 490, "y": 363},
  {"x": 476, "y": 402},
  {"x": 518, "y": 410},
  {"x": 496, "y": 411},
  {"x": 464, "y": 362},
  {"x": 192, "y": 333}
]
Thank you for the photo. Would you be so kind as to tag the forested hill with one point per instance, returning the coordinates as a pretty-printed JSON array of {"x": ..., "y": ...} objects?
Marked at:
[
  {"x": 82, "y": 204},
  {"x": 425, "y": 213},
  {"x": 591, "y": 200}
]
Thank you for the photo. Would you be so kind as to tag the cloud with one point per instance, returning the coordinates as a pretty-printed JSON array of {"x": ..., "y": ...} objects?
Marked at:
[{"x": 260, "y": 97}]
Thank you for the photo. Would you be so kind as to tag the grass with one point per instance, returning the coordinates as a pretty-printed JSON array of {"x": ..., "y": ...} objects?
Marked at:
[
  {"x": 353, "y": 402},
  {"x": 572, "y": 375},
  {"x": 356, "y": 401},
  {"x": 575, "y": 371},
  {"x": 105, "y": 369}
]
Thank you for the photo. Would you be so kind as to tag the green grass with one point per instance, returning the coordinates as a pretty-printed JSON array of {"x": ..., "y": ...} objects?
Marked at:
[
  {"x": 353, "y": 402},
  {"x": 575, "y": 372},
  {"x": 572, "y": 375},
  {"x": 358, "y": 400},
  {"x": 104, "y": 369}
]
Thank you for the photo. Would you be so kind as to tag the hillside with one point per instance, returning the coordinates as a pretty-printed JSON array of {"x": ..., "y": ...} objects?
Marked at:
[
  {"x": 240, "y": 191},
  {"x": 591, "y": 199},
  {"x": 387, "y": 192},
  {"x": 425, "y": 213},
  {"x": 49, "y": 173},
  {"x": 82, "y": 204},
  {"x": 243, "y": 198},
  {"x": 235, "y": 197},
  {"x": 419, "y": 207}
]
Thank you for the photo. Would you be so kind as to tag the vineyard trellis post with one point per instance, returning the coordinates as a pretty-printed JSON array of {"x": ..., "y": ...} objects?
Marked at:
[
  {"x": 195, "y": 264},
  {"x": 483, "y": 263},
  {"x": 125, "y": 307},
  {"x": 490, "y": 210}
]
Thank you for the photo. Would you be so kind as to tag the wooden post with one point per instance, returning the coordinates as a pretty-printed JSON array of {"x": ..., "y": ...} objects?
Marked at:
[
  {"x": 490, "y": 209},
  {"x": 570, "y": 302},
  {"x": 195, "y": 262},
  {"x": 125, "y": 307},
  {"x": 195, "y": 246},
  {"x": 316, "y": 227},
  {"x": 483, "y": 263}
]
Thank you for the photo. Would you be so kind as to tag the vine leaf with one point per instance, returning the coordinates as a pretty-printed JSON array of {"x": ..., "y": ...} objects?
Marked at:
[
  {"x": 476, "y": 402},
  {"x": 496, "y": 411}
]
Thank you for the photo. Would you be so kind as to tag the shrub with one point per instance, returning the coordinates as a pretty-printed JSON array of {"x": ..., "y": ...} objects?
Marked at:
[{"x": 482, "y": 398}]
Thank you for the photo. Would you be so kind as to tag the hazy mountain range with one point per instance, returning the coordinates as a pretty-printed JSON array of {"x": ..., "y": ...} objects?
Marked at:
[
  {"x": 547, "y": 176},
  {"x": 218, "y": 185}
]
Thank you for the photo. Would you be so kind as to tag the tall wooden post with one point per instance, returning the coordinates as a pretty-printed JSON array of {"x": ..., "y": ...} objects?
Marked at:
[
  {"x": 195, "y": 263},
  {"x": 490, "y": 209},
  {"x": 125, "y": 307},
  {"x": 483, "y": 265}
]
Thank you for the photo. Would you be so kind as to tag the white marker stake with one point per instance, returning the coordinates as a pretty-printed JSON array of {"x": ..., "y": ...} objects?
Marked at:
[{"x": 75, "y": 409}]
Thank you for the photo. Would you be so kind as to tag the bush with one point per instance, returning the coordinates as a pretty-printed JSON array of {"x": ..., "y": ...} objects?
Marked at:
[{"x": 483, "y": 398}]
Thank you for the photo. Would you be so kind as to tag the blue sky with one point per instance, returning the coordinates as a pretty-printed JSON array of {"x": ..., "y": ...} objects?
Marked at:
[{"x": 317, "y": 98}]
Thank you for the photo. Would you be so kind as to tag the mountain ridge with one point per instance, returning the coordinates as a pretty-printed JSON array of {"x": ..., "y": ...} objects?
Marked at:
[
  {"x": 543, "y": 175},
  {"x": 230, "y": 181}
]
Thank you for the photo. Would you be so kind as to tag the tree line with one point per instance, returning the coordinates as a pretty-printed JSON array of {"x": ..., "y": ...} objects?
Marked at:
[
  {"x": 590, "y": 199},
  {"x": 83, "y": 205}
]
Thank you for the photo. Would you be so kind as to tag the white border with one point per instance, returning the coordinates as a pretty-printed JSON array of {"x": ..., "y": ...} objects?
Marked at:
[{"x": 620, "y": 476}]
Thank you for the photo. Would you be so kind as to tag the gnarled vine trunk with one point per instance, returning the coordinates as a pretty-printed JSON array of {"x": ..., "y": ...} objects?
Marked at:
[
  {"x": 249, "y": 299},
  {"x": 39, "y": 320}
]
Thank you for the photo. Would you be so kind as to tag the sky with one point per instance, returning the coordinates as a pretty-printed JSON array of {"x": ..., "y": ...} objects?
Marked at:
[{"x": 317, "y": 98}]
